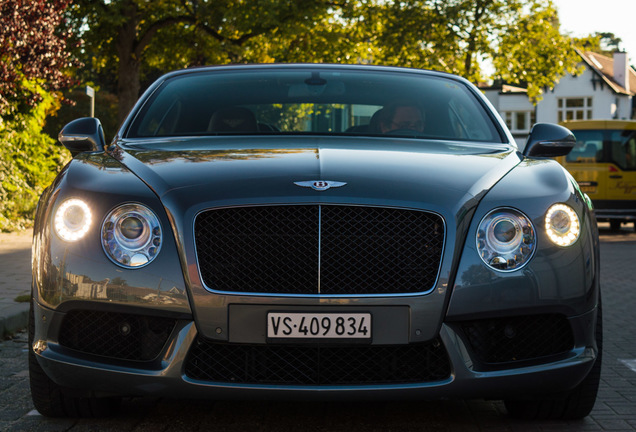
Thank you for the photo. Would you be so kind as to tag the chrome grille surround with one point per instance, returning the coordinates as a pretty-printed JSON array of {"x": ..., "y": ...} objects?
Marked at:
[{"x": 319, "y": 250}]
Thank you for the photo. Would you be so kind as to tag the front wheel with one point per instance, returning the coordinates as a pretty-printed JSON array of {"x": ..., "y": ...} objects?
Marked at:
[{"x": 574, "y": 404}]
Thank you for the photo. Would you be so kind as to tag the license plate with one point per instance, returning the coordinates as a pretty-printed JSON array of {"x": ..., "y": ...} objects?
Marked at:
[{"x": 309, "y": 325}]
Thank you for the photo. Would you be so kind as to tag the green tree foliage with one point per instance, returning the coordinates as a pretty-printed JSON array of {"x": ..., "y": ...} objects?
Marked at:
[
  {"x": 532, "y": 51},
  {"x": 609, "y": 41},
  {"x": 33, "y": 47},
  {"x": 29, "y": 160},
  {"x": 412, "y": 33},
  {"x": 136, "y": 39},
  {"x": 605, "y": 43},
  {"x": 33, "y": 58},
  {"x": 520, "y": 38}
]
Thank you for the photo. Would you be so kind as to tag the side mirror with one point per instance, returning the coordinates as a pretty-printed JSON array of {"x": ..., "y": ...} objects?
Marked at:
[
  {"x": 83, "y": 135},
  {"x": 549, "y": 140}
]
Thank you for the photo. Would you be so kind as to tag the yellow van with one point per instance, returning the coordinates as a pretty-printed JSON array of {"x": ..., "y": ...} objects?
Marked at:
[{"x": 603, "y": 162}]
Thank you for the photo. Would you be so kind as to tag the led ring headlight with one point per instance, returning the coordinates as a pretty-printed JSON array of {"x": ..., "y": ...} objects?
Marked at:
[
  {"x": 131, "y": 235},
  {"x": 562, "y": 225},
  {"x": 72, "y": 220},
  {"x": 505, "y": 239}
]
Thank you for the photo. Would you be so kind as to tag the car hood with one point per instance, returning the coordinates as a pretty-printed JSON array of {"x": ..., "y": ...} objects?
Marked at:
[{"x": 221, "y": 171}]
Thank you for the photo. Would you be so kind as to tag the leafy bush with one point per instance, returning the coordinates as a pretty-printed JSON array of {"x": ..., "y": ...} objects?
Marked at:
[{"x": 29, "y": 161}]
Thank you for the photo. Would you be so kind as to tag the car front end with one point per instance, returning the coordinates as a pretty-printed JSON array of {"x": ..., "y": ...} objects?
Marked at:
[{"x": 315, "y": 266}]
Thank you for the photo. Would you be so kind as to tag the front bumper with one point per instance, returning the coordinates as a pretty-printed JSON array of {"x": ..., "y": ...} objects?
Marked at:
[{"x": 166, "y": 374}]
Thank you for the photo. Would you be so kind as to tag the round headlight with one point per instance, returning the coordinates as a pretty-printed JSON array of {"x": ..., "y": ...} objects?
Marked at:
[
  {"x": 505, "y": 239},
  {"x": 131, "y": 235},
  {"x": 562, "y": 225},
  {"x": 72, "y": 220}
]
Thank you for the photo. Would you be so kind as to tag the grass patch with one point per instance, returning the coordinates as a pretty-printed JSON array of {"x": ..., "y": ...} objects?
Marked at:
[{"x": 24, "y": 298}]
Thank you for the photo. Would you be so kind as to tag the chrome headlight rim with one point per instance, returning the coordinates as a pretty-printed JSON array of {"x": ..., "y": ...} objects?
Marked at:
[
  {"x": 64, "y": 228},
  {"x": 562, "y": 225},
  {"x": 131, "y": 235},
  {"x": 496, "y": 248}
]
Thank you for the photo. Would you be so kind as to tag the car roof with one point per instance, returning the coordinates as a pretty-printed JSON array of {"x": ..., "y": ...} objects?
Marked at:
[
  {"x": 312, "y": 66},
  {"x": 599, "y": 124}
]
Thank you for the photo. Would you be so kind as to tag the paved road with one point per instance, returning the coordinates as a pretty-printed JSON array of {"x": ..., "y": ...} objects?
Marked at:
[{"x": 615, "y": 409}]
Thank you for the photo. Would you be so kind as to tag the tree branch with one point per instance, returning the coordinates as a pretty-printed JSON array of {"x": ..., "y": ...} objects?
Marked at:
[{"x": 155, "y": 27}]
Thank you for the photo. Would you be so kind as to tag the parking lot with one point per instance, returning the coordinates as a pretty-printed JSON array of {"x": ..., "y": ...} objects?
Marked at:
[{"x": 615, "y": 409}]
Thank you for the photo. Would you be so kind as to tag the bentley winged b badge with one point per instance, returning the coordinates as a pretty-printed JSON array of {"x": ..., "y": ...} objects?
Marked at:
[{"x": 320, "y": 185}]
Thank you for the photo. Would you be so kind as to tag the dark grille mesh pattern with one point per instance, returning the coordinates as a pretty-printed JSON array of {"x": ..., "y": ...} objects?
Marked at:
[
  {"x": 259, "y": 249},
  {"x": 115, "y": 335},
  {"x": 317, "y": 365},
  {"x": 519, "y": 338},
  {"x": 282, "y": 249},
  {"x": 374, "y": 250}
]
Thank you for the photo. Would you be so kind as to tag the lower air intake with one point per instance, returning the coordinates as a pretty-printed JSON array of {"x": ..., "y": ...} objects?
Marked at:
[
  {"x": 317, "y": 365},
  {"x": 504, "y": 340},
  {"x": 115, "y": 335}
]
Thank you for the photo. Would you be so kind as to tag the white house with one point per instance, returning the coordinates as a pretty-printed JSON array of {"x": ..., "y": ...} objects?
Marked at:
[{"x": 605, "y": 90}]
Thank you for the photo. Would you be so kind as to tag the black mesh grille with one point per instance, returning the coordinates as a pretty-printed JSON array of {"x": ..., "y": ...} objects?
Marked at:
[
  {"x": 115, "y": 335},
  {"x": 317, "y": 365},
  {"x": 259, "y": 249},
  {"x": 519, "y": 338},
  {"x": 311, "y": 249}
]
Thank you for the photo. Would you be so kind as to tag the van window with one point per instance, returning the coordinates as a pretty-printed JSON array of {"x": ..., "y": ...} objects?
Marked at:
[
  {"x": 623, "y": 149},
  {"x": 588, "y": 148},
  {"x": 610, "y": 146}
]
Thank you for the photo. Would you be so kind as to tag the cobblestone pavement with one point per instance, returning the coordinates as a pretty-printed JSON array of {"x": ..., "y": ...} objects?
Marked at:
[{"x": 615, "y": 408}]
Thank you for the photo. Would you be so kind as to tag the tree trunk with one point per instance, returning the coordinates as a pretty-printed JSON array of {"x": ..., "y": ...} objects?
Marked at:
[
  {"x": 480, "y": 8},
  {"x": 127, "y": 87},
  {"x": 128, "y": 84}
]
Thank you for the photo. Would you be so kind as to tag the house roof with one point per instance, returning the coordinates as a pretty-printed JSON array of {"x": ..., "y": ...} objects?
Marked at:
[
  {"x": 503, "y": 88},
  {"x": 604, "y": 67}
]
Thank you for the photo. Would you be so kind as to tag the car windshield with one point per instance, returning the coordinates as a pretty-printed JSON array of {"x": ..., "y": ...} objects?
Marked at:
[{"x": 313, "y": 101}]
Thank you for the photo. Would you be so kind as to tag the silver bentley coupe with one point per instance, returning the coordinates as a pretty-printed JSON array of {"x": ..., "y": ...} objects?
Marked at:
[{"x": 315, "y": 231}]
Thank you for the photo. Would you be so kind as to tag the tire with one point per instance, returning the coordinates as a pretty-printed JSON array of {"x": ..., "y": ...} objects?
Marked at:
[
  {"x": 52, "y": 400},
  {"x": 574, "y": 404},
  {"x": 615, "y": 225}
]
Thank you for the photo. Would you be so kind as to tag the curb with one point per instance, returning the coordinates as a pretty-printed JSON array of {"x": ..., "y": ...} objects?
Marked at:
[{"x": 13, "y": 318}]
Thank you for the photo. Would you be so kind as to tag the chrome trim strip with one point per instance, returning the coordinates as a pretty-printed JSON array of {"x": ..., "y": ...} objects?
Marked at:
[{"x": 319, "y": 244}]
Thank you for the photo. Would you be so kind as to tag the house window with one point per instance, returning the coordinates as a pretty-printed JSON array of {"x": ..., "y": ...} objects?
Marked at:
[
  {"x": 519, "y": 121},
  {"x": 574, "y": 109}
]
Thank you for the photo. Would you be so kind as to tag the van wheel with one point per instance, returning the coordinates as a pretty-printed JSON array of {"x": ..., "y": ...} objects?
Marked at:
[
  {"x": 574, "y": 404},
  {"x": 52, "y": 400}
]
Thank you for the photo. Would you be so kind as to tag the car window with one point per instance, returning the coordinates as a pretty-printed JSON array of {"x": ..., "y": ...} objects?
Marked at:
[
  {"x": 466, "y": 121},
  {"x": 307, "y": 101}
]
